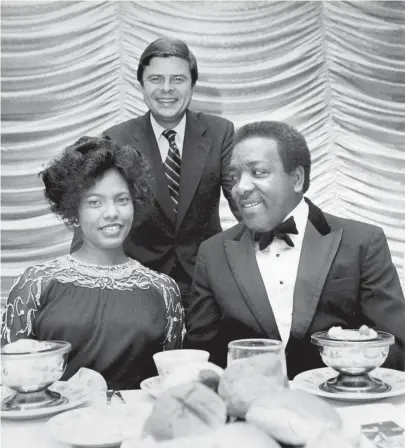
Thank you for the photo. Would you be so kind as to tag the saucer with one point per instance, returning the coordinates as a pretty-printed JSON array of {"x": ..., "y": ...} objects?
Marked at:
[
  {"x": 74, "y": 393},
  {"x": 152, "y": 386},
  {"x": 101, "y": 427},
  {"x": 311, "y": 380}
]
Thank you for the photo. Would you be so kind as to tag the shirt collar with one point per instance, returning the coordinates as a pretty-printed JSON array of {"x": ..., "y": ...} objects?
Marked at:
[
  {"x": 300, "y": 215},
  {"x": 158, "y": 129}
]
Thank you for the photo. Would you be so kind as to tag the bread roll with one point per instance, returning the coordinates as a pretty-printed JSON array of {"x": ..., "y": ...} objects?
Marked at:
[
  {"x": 184, "y": 410},
  {"x": 244, "y": 381},
  {"x": 209, "y": 378},
  {"x": 195, "y": 371},
  {"x": 293, "y": 416}
]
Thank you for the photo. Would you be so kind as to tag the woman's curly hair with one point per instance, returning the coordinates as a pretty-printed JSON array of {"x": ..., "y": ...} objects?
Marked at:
[{"x": 76, "y": 170}]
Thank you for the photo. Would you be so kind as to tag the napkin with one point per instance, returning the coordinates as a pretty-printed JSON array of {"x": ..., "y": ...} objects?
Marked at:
[
  {"x": 90, "y": 379},
  {"x": 92, "y": 382}
]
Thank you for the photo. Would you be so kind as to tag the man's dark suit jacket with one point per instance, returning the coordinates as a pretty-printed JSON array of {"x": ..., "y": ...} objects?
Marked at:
[
  {"x": 345, "y": 277},
  {"x": 207, "y": 148}
]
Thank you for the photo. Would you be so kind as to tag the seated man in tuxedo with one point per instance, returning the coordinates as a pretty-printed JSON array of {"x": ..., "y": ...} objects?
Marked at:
[
  {"x": 189, "y": 153},
  {"x": 289, "y": 270}
]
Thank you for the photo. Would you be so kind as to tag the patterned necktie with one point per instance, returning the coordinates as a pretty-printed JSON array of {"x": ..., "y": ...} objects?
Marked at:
[
  {"x": 281, "y": 232},
  {"x": 172, "y": 167}
]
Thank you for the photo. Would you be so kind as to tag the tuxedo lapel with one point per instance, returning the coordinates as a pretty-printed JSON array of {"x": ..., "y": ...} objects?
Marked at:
[
  {"x": 242, "y": 261},
  {"x": 317, "y": 254},
  {"x": 196, "y": 148},
  {"x": 145, "y": 141}
]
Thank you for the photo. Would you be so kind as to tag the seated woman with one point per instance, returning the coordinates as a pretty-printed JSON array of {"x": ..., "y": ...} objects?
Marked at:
[{"x": 115, "y": 312}]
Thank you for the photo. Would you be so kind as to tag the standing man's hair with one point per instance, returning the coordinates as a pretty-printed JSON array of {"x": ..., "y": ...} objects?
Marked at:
[
  {"x": 165, "y": 47},
  {"x": 291, "y": 144}
]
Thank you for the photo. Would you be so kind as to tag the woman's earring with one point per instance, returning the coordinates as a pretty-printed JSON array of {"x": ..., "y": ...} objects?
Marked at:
[{"x": 76, "y": 223}]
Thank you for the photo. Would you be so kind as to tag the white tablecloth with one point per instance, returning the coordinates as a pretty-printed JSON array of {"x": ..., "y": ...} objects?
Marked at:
[{"x": 33, "y": 434}]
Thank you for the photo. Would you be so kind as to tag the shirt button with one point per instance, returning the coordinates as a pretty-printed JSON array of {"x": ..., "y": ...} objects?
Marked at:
[
  {"x": 281, "y": 282},
  {"x": 277, "y": 255}
]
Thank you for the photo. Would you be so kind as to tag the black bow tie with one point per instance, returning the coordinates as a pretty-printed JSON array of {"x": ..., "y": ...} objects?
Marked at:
[{"x": 281, "y": 232}]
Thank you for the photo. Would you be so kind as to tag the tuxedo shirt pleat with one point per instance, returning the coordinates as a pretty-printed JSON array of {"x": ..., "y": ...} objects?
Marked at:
[{"x": 278, "y": 265}]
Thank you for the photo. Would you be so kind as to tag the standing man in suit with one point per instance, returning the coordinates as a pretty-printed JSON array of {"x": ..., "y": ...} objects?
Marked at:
[
  {"x": 189, "y": 154},
  {"x": 289, "y": 270}
]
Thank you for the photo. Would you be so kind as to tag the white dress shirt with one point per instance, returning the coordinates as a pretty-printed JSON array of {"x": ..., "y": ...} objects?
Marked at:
[
  {"x": 278, "y": 265},
  {"x": 162, "y": 141}
]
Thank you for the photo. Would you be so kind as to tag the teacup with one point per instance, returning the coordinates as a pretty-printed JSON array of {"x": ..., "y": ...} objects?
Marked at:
[{"x": 168, "y": 360}]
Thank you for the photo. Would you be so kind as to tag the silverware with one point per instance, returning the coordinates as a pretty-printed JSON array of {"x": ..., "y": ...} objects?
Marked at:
[
  {"x": 111, "y": 393},
  {"x": 118, "y": 394}
]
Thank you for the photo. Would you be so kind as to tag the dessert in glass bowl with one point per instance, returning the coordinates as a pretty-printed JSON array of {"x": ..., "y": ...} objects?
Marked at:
[
  {"x": 361, "y": 334},
  {"x": 353, "y": 353},
  {"x": 29, "y": 367}
]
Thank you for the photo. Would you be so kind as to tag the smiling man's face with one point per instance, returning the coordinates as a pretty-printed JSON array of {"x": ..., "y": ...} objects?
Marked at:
[
  {"x": 167, "y": 89},
  {"x": 264, "y": 192}
]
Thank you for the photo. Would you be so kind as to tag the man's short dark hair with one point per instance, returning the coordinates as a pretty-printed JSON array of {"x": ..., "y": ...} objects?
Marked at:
[
  {"x": 165, "y": 47},
  {"x": 291, "y": 144}
]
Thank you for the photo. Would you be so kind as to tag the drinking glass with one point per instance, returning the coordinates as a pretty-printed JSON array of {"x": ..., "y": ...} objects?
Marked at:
[{"x": 245, "y": 348}]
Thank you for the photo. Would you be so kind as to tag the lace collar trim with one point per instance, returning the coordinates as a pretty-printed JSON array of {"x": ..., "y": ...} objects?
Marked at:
[{"x": 103, "y": 267}]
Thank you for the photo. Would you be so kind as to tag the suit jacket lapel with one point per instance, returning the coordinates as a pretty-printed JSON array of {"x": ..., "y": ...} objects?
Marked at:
[
  {"x": 146, "y": 143},
  {"x": 242, "y": 260},
  {"x": 196, "y": 148},
  {"x": 317, "y": 254}
]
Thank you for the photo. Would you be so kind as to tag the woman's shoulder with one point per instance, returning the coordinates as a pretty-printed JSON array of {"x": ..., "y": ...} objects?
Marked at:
[
  {"x": 47, "y": 268},
  {"x": 37, "y": 275}
]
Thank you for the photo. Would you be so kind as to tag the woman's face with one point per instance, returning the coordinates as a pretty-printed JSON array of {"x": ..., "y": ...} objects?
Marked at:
[{"x": 106, "y": 212}]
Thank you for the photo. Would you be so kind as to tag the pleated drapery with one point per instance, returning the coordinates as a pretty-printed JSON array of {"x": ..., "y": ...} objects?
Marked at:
[{"x": 335, "y": 70}]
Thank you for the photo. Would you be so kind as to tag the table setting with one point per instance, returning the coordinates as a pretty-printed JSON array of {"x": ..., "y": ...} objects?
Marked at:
[{"x": 351, "y": 402}]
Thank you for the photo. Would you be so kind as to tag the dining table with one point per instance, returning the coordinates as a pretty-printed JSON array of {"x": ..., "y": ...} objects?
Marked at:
[{"x": 34, "y": 434}]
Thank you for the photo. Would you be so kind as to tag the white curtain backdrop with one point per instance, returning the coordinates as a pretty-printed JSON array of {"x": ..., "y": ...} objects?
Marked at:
[{"x": 335, "y": 70}]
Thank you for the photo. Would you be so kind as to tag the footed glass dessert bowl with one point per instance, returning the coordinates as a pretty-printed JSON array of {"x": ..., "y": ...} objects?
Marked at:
[
  {"x": 353, "y": 354},
  {"x": 29, "y": 367}
]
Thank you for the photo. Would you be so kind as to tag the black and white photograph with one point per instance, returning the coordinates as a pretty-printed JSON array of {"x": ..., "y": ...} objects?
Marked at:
[{"x": 202, "y": 223}]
